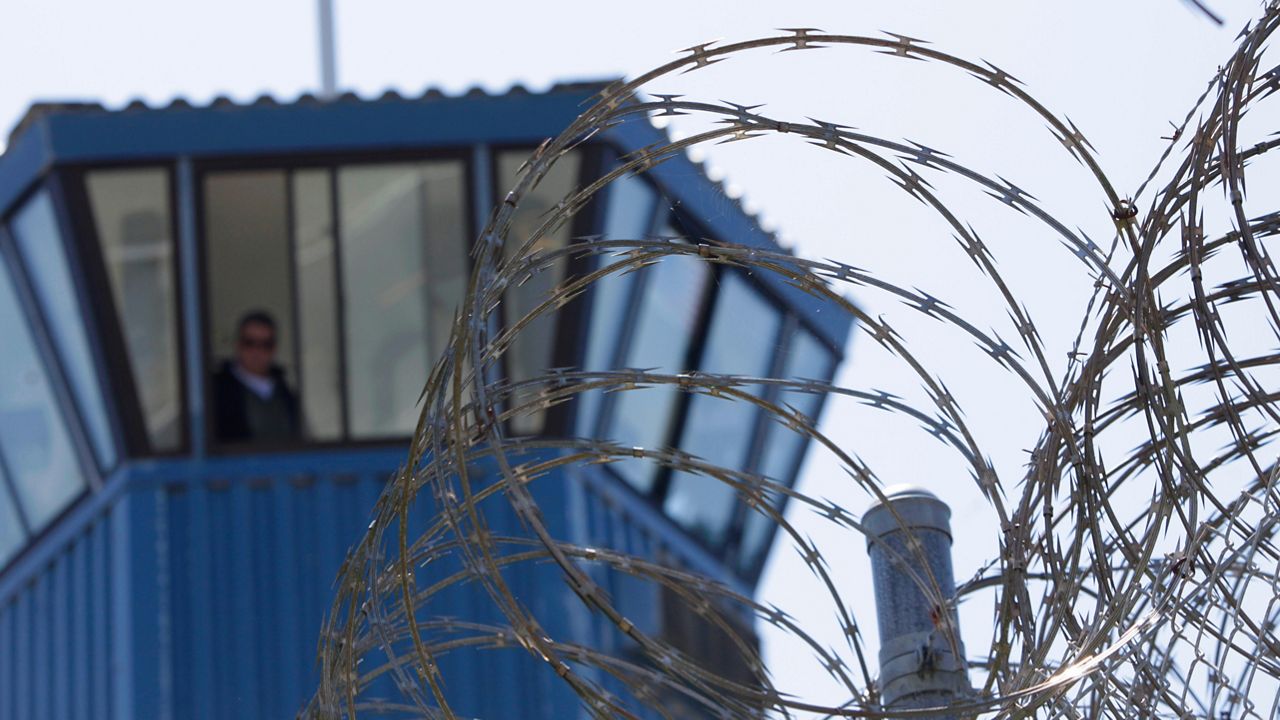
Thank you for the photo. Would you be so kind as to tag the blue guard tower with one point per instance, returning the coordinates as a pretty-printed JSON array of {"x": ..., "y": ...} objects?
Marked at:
[{"x": 153, "y": 567}]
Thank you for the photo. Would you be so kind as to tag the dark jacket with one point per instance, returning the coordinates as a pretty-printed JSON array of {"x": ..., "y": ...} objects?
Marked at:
[{"x": 232, "y": 401}]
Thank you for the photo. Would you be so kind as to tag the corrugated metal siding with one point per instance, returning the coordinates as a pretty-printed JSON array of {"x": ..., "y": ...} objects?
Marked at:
[
  {"x": 615, "y": 518},
  {"x": 253, "y": 562},
  {"x": 222, "y": 587},
  {"x": 611, "y": 526},
  {"x": 54, "y": 635},
  {"x": 200, "y": 591}
]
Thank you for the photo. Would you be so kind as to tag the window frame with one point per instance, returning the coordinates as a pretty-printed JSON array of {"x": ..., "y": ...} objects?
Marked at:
[
  {"x": 10, "y": 493},
  {"x": 89, "y": 311},
  {"x": 45, "y": 347},
  {"x": 693, "y": 358},
  {"x": 792, "y": 326},
  {"x": 749, "y": 461},
  {"x": 574, "y": 320},
  {"x": 621, "y": 340},
  {"x": 67, "y": 192},
  {"x": 125, "y": 398},
  {"x": 64, "y": 403},
  {"x": 288, "y": 164},
  {"x": 791, "y": 323}
]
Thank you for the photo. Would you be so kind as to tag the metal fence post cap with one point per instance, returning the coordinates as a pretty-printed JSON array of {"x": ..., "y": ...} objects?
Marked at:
[{"x": 917, "y": 507}]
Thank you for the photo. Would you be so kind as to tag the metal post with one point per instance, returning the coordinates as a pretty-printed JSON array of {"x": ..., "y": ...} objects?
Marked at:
[
  {"x": 192, "y": 315},
  {"x": 328, "y": 52},
  {"x": 921, "y": 656}
]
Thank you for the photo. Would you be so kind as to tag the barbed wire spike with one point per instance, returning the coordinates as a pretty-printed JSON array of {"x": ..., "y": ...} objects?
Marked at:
[{"x": 1128, "y": 559}]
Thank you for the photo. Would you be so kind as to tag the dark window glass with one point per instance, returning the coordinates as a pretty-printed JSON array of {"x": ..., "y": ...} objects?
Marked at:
[
  {"x": 807, "y": 359},
  {"x": 249, "y": 270},
  {"x": 531, "y": 354},
  {"x": 403, "y": 271},
  {"x": 666, "y": 315},
  {"x": 34, "y": 444},
  {"x": 247, "y": 256},
  {"x": 361, "y": 310},
  {"x": 719, "y": 430},
  {"x": 35, "y": 228},
  {"x": 131, "y": 214},
  {"x": 629, "y": 215},
  {"x": 316, "y": 268}
]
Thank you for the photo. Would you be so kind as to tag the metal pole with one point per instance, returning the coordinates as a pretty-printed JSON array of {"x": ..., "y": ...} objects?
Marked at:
[
  {"x": 192, "y": 319},
  {"x": 328, "y": 52},
  {"x": 921, "y": 657}
]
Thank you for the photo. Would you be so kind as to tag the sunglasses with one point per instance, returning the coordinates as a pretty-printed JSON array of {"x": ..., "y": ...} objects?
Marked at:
[{"x": 258, "y": 343}]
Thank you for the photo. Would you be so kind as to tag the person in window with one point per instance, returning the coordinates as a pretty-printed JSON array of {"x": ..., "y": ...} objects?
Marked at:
[{"x": 252, "y": 402}]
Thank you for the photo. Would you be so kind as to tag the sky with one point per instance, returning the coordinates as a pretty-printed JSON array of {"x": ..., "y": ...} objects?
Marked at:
[{"x": 1121, "y": 71}]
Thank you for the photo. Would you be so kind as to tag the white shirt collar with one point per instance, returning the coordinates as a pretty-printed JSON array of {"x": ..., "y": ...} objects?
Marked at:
[{"x": 258, "y": 385}]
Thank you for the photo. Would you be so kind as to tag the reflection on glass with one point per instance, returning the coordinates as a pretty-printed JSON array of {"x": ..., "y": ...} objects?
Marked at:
[
  {"x": 35, "y": 228},
  {"x": 807, "y": 359},
  {"x": 403, "y": 270},
  {"x": 660, "y": 337},
  {"x": 249, "y": 270},
  {"x": 247, "y": 255},
  {"x": 628, "y": 216},
  {"x": 11, "y": 535},
  {"x": 532, "y": 351},
  {"x": 629, "y": 212},
  {"x": 313, "y": 259},
  {"x": 719, "y": 430},
  {"x": 131, "y": 213},
  {"x": 33, "y": 437}
]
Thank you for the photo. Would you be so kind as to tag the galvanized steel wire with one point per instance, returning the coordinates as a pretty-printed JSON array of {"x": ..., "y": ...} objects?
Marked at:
[{"x": 1100, "y": 608}]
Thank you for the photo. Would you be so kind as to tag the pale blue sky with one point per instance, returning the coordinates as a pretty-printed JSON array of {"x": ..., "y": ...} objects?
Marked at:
[{"x": 1119, "y": 70}]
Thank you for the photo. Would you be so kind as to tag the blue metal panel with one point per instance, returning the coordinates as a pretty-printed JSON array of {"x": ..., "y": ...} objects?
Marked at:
[
  {"x": 41, "y": 665},
  {"x": 260, "y": 555},
  {"x": 198, "y": 625},
  {"x": 327, "y": 556},
  {"x": 54, "y": 539},
  {"x": 659, "y": 531},
  {"x": 289, "y": 657},
  {"x": 311, "y": 607},
  {"x": 124, "y": 654},
  {"x": 220, "y": 571},
  {"x": 244, "y": 627},
  {"x": 178, "y": 503},
  {"x": 151, "y": 651},
  {"x": 264, "y": 600},
  {"x": 343, "y": 126},
  {"x": 80, "y": 637},
  {"x": 220, "y": 698},
  {"x": 100, "y": 591},
  {"x": 60, "y": 619},
  {"x": 8, "y": 658},
  {"x": 22, "y": 164},
  {"x": 24, "y": 655},
  {"x": 164, "y": 611}
]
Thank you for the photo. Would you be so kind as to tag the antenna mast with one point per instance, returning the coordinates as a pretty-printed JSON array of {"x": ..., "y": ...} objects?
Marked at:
[{"x": 328, "y": 61}]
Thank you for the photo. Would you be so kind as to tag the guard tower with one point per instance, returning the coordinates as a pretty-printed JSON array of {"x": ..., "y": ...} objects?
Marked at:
[{"x": 152, "y": 568}]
